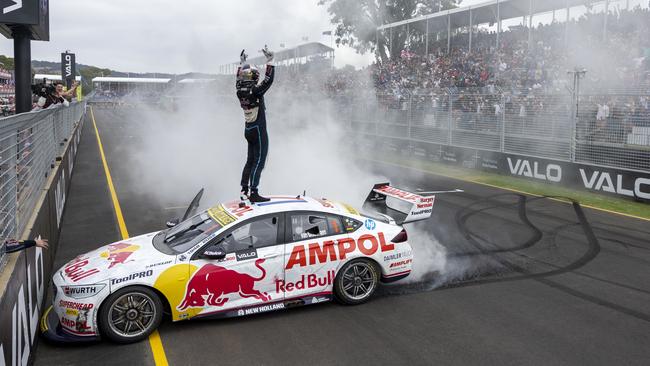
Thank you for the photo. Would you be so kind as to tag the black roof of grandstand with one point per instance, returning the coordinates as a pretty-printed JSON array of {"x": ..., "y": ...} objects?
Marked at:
[{"x": 485, "y": 12}]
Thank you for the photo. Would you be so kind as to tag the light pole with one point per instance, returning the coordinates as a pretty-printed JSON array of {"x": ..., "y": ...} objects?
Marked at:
[{"x": 577, "y": 73}]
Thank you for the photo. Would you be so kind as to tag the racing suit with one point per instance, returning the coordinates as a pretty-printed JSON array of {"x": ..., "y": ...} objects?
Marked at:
[
  {"x": 14, "y": 245},
  {"x": 251, "y": 100}
]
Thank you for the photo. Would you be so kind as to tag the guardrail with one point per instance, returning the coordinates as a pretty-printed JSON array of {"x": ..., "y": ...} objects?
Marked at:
[
  {"x": 554, "y": 126},
  {"x": 30, "y": 144}
]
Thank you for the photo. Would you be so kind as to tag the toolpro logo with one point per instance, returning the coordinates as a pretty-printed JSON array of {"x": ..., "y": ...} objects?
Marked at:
[
  {"x": 118, "y": 253},
  {"x": 211, "y": 283}
]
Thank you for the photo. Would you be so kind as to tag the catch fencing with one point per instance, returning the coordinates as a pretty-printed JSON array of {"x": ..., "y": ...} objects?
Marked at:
[
  {"x": 30, "y": 144},
  {"x": 609, "y": 130}
]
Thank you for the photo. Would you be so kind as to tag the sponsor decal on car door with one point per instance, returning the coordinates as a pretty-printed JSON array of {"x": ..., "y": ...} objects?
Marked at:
[
  {"x": 311, "y": 258},
  {"x": 245, "y": 277}
]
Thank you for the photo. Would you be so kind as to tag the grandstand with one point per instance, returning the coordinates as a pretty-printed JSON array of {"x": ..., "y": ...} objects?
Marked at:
[
  {"x": 443, "y": 24},
  {"x": 51, "y": 78},
  {"x": 123, "y": 86},
  {"x": 500, "y": 76},
  {"x": 308, "y": 53}
]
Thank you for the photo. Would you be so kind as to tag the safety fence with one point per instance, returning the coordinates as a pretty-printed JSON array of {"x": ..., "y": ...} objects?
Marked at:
[
  {"x": 30, "y": 144},
  {"x": 611, "y": 130}
]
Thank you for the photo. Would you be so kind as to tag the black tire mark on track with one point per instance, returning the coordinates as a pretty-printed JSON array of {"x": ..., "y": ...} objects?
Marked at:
[
  {"x": 537, "y": 233},
  {"x": 594, "y": 249}
]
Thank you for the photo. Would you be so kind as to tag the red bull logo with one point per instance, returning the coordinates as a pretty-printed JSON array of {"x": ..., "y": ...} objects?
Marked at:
[
  {"x": 118, "y": 253},
  {"x": 211, "y": 283}
]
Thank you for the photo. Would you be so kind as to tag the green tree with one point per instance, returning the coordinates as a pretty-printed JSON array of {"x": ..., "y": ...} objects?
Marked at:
[
  {"x": 356, "y": 22},
  {"x": 88, "y": 74},
  {"x": 7, "y": 62}
]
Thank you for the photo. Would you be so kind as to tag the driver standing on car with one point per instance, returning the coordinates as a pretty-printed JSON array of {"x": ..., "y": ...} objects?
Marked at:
[{"x": 251, "y": 99}]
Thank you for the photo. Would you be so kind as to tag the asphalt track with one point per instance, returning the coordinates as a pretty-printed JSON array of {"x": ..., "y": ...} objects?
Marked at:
[{"x": 530, "y": 280}]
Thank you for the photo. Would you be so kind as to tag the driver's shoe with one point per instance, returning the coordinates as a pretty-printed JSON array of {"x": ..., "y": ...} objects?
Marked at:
[{"x": 255, "y": 197}]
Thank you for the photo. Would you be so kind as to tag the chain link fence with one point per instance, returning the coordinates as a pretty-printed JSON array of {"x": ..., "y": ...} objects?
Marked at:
[
  {"x": 606, "y": 130},
  {"x": 29, "y": 146}
]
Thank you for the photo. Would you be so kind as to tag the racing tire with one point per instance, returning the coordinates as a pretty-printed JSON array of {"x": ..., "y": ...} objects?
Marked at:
[
  {"x": 130, "y": 314},
  {"x": 356, "y": 281}
]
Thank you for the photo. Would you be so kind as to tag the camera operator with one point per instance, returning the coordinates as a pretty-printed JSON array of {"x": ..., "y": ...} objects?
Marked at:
[{"x": 53, "y": 94}]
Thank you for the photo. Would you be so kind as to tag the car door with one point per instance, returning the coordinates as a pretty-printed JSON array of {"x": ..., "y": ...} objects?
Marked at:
[
  {"x": 246, "y": 275},
  {"x": 311, "y": 253}
]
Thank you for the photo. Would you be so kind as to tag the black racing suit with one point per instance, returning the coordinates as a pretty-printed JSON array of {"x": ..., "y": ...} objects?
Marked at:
[
  {"x": 14, "y": 246},
  {"x": 251, "y": 100}
]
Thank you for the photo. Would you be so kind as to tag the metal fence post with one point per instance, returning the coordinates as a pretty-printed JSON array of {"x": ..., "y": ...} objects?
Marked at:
[
  {"x": 502, "y": 118},
  {"x": 449, "y": 120},
  {"x": 409, "y": 117},
  {"x": 574, "y": 122}
]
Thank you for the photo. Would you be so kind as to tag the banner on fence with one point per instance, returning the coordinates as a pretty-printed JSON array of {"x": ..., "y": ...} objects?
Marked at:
[{"x": 623, "y": 183}]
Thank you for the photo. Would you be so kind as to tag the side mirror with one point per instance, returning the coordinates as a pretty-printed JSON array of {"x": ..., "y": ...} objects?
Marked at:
[
  {"x": 173, "y": 222},
  {"x": 214, "y": 252}
]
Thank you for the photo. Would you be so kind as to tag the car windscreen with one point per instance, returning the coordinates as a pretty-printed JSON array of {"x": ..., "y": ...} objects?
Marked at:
[{"x": 186, "y": 234}]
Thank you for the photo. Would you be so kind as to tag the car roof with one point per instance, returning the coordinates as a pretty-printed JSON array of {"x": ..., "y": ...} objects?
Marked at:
[{"x": 232, "y": 211}]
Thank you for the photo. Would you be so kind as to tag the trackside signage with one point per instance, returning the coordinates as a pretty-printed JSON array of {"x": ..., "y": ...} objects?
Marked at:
[
  {"x": 620, "y": 182},
  {"x": 68, "y": 68},
  {"x": 623, "y": 183}
]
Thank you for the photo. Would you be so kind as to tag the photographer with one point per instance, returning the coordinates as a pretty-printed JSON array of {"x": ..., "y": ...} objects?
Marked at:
[{"x": 53, "y": 94}]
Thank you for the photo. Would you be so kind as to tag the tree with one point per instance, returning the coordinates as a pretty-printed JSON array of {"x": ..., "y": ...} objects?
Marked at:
[
  {"x": 88, "y": 74},
  {"x": 357, "y": 21},
  {"x": 7, "y": 62}
]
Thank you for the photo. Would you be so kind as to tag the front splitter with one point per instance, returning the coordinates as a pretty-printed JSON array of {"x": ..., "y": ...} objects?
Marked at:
[{"x": 52, "y": 331}]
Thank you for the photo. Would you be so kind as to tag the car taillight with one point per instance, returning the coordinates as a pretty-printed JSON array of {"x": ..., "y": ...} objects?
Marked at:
[{"x": 401, "y": 237}]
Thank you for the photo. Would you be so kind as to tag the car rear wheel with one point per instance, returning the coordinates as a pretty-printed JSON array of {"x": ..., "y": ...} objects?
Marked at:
[
  {"x": 130, "y": 314},
  {"x": 356, "y": 281}
]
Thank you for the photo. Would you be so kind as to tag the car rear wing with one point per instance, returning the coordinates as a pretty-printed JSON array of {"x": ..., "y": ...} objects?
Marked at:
[{"x": 397, "y": 206}]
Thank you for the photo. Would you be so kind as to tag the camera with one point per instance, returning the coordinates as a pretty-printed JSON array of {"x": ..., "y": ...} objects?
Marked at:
[{"x": 43, "y": 89}]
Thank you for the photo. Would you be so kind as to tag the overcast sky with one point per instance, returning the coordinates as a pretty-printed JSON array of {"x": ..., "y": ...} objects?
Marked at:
[{"x": 178, "y": 36}]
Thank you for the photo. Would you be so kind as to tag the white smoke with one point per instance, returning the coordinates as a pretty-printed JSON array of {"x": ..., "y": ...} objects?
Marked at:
[{"x": 202, "y": 144}]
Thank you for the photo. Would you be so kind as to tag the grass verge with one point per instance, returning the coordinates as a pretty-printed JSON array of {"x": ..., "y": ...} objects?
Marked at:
[{"x": 588, "y": 199}]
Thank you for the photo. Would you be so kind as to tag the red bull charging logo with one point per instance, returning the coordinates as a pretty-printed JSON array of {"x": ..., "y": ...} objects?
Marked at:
[
  {"x": 118, "y": 253},
  {"x": 211, "y": 283}
]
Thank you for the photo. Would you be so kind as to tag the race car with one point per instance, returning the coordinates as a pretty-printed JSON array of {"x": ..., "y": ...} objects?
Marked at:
[{"x": 236, "y": 259}]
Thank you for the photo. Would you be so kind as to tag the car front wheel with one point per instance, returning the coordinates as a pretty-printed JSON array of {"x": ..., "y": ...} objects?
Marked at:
[
  {"x": 130, "y": 314},
  {"x": 356, "y": 281}
]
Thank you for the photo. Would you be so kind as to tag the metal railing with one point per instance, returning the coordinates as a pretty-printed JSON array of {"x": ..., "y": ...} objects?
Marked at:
[
  {"x": 29, "y": 145},
  {"x": 554, "y": 126}
]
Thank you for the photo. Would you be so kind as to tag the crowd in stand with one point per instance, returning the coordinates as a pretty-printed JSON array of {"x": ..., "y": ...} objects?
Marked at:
[{"x": 523, "y": 79}]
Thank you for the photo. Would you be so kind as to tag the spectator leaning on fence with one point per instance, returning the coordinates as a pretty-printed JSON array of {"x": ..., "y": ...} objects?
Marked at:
[
  {"x": 14, "y": 245},
  {"x": 61, "y": 96}
]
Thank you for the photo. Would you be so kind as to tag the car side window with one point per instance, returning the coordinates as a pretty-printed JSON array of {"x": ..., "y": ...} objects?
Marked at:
[
  {"x": 334, "y": 225},
  {"x": 255, "y": 234},
  {"x": 306, "y": 226}
]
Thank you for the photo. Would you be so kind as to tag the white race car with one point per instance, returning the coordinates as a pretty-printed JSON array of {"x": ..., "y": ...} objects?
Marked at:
[{"x": 236, "y": 259}]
